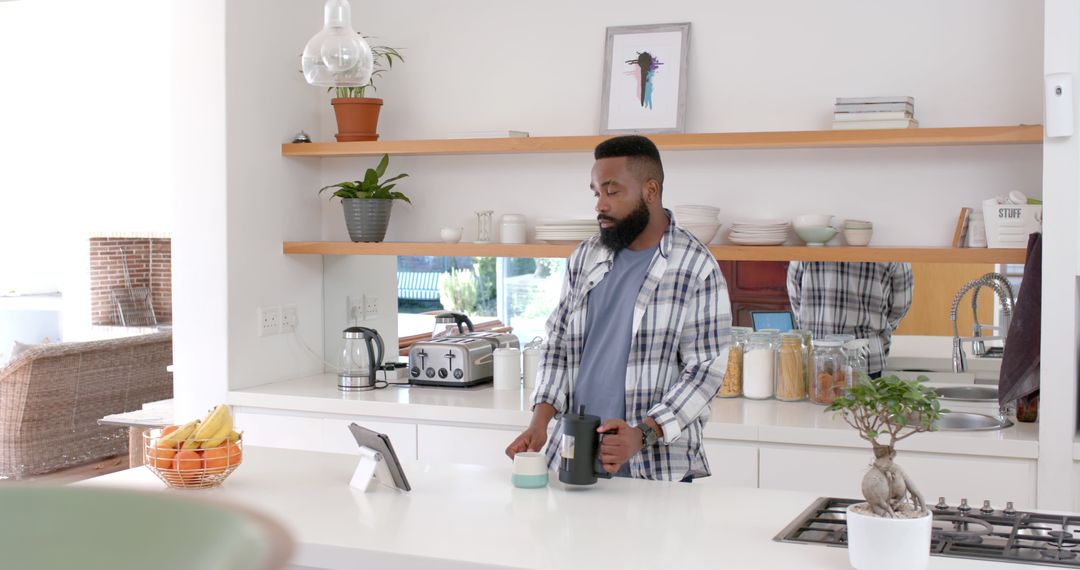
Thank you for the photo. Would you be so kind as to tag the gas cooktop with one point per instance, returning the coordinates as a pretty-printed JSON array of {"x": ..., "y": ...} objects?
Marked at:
[{"x": 960, "y": 531}]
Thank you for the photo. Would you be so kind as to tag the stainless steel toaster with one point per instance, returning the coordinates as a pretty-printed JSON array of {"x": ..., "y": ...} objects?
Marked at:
[
  {"x": 500, "y": 340},
  {"x": 458, "y": 361}
]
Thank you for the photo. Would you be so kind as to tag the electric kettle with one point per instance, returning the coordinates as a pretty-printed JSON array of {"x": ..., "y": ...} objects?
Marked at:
[
  {"x": 359, "y": 359},
  {"x": 451, "y": 324}
]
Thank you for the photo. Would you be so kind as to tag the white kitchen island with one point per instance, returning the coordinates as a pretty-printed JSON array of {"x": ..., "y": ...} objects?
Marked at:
[
  {"x": 464, "y": 516},
  {"x": 793, "y": 446}
]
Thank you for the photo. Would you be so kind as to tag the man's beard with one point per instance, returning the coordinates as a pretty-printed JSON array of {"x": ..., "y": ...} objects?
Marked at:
[{"x": 620, "y": 235}]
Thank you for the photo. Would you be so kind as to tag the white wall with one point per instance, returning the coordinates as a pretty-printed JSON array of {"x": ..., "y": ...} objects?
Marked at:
[
  {"x": 1061, "y": 178},
  {"x": 776, "y": 65},
  {"x": 86, "y": 136},
  {"x": 270, "y": 198},
  {"x": 199, "y": 271}
]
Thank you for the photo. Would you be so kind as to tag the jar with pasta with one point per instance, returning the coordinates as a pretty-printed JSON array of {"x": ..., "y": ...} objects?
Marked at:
[
  {"x": 790, "y": 368},
  {"x": 829, "y": 379},
  {"x": 732, "y": 386},
  {"x": 808, "y": 359},
  {"x": 758, "y": 364}
]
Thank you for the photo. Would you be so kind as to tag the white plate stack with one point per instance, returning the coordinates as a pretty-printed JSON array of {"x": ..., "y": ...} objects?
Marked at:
[
  {"x": 702, "y": 221},
  {"x": 566, "y": 231},
  {"x": 759, "y": 232}
]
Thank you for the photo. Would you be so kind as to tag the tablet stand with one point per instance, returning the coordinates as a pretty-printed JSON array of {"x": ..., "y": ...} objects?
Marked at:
[{"x": 372, "y": 469}]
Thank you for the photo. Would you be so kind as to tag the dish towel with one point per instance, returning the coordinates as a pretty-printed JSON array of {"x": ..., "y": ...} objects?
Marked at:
[{"x": 1020, "y": 365}]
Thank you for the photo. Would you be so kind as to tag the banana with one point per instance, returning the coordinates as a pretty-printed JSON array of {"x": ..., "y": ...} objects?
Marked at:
[
  {"x": 180, "y": 435},
  {"x": 234, "y": 436},
  {"x": 215, "y": 428}
]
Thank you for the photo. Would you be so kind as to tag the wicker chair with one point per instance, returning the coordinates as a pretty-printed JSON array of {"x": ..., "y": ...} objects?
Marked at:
[{"x": 52, "y": 395}]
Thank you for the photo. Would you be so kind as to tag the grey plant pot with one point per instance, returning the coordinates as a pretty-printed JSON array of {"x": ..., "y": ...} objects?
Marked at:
[{"x": 367, "y": 219}]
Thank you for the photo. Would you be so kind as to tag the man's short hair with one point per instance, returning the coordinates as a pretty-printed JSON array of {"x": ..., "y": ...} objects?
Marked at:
[{"x": 642, "y": 156}]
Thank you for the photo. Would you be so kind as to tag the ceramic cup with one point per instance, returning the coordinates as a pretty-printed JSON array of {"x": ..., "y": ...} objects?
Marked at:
[
  {"x": 530, "y": 470},
  {"x": 450, "y": 235}
]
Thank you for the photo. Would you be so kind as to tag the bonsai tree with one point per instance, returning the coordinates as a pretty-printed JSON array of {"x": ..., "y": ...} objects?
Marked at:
[
  {"x": 884, "y": 411},
  {"x": 370, "y": 187},
  {"x": 383, "y": 58}
]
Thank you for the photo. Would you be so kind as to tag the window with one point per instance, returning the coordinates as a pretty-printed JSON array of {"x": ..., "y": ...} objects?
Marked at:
[{"x": 519, "y": 292}]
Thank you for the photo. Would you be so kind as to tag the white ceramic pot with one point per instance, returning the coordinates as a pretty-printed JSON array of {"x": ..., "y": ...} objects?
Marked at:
[{"x": 876, "y": 543}]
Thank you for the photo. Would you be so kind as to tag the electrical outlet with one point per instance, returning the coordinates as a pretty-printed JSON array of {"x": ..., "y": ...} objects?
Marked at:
[
  {"x": 354, "y": 308},
  {"x": 289, "y": 319},
  {"x": 371, "y": 307},
  {"x": 269, "y": 320}
]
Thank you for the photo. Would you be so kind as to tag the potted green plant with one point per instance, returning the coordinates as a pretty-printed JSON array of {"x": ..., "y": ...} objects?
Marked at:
[
  {"x": 892, "y": 528},
  {"x": 367, "y": 203},
  {"x": 357, "y": 115}
]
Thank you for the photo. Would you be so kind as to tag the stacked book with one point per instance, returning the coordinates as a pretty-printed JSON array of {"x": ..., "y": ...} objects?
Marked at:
[{"x": 874, "y": 113}]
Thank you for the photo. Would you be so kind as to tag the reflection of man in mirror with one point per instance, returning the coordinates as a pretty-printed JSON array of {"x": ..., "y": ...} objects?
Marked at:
[{"x": 867, "y": 300}]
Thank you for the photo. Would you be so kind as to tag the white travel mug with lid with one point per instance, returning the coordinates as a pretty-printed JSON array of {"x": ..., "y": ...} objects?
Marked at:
[{"x": 507, "y": 368}]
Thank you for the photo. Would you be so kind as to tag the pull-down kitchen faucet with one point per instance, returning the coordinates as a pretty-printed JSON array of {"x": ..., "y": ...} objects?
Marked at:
[
  {"x": 1004, "y": 292},
  {"x": 1008, "y": 301}
]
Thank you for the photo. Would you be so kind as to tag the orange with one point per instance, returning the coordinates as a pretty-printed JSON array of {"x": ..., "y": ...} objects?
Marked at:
[
  {"x": 235, "y": 454},
  {"x": 161, "y": 457},
  {"x": 217, "y": 459},
  {"x": 169, "y": 429},
  {"x": 190, "y": 464}
]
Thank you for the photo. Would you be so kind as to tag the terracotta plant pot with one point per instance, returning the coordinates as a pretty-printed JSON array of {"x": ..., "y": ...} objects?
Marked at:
[{"x": 357, "y": 118}]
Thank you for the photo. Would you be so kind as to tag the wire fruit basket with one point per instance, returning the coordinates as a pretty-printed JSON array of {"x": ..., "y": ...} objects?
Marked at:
[{"x": 195, "y": 467}]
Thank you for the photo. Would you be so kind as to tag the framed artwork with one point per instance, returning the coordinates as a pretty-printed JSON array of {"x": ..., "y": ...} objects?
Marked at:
[{"x": 645, "y": 79}]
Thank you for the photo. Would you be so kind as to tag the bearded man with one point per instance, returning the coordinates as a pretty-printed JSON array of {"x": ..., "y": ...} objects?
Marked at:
[{"x": 641, "y": 334}]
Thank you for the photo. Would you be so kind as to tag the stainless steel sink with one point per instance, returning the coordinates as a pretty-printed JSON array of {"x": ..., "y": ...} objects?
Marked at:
[
  {"x": 968, "y": 393},
  {"x": 970, "y": 421}
]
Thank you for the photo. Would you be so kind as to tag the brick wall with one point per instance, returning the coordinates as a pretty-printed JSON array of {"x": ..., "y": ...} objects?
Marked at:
[{"x": 149, "y": 263}]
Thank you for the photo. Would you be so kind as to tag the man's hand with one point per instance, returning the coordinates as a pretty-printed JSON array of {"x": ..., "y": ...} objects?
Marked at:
[
  {"x": 532, "y": 439},
  {"x": 619, "y": 444}
]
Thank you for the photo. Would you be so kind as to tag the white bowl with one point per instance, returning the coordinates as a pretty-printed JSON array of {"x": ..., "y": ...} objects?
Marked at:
[
  {"x": 450, "y": 235},
  {"x": 858, "y": 237},
  {"x": 808, "y": 220},
  {"x": 704, "y": 232}
]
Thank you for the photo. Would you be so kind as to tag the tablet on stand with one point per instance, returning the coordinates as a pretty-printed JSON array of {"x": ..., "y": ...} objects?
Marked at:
[{"x": 378, "y": 462}]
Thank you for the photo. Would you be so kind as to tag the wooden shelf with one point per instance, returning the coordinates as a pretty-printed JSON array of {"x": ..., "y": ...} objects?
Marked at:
[
  {"x": 722, "y": 252},
  {"x": 1021, "y": 134}
]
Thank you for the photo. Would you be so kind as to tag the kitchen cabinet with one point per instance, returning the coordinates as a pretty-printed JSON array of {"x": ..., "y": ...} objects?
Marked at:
[
  {"x": 320, "y": 433},
  {"x": 733, "y": 464},
  {"x": 839, "y": 472},
  {"x": 755, "y": 286},
  {"x": 470, "y": 445}
]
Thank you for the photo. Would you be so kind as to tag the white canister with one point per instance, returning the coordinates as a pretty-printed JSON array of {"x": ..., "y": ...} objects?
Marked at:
[
  {"x": 513, "y": 229},
  {"x": 531, "y": 358},
  {"x": 507, "y": 368}
]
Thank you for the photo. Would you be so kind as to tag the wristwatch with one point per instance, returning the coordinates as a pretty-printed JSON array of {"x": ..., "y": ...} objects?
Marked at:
[{"x": 648, "y": 434}]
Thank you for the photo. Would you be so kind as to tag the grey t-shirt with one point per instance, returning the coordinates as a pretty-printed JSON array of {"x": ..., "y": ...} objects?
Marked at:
[{"x": 601, "y": 380}]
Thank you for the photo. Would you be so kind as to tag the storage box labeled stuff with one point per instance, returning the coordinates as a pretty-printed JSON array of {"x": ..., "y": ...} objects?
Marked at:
[{"x": 1009, "y": 225}]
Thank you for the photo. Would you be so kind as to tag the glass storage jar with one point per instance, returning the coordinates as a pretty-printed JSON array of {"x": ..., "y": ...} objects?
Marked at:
[
  {"x": 790, "y": 368},
  {"x": 732, "y": 386},
  {"x": 808, "y": 359},
  {"x": 758, "y": 364},
  {"x": 829, "y": 380},
  {"x": 857, "y": 361}
]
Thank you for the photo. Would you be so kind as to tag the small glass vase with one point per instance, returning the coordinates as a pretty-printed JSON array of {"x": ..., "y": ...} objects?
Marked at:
[{"x": 483, "y": 226}]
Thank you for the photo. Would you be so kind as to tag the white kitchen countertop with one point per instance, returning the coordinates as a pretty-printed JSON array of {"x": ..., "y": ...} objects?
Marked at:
[
  {"x": 460, "y": 516},
  {"x": 740, "y": 419}
]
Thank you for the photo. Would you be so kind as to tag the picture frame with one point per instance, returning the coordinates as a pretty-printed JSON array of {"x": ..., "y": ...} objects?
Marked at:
[{"x": 656, "y": 102}]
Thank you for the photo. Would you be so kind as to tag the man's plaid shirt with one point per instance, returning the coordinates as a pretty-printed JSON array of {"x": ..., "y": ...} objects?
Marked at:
[
  {"x": 867, "y": 300},
  {"x": 678, "y": 351}
]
